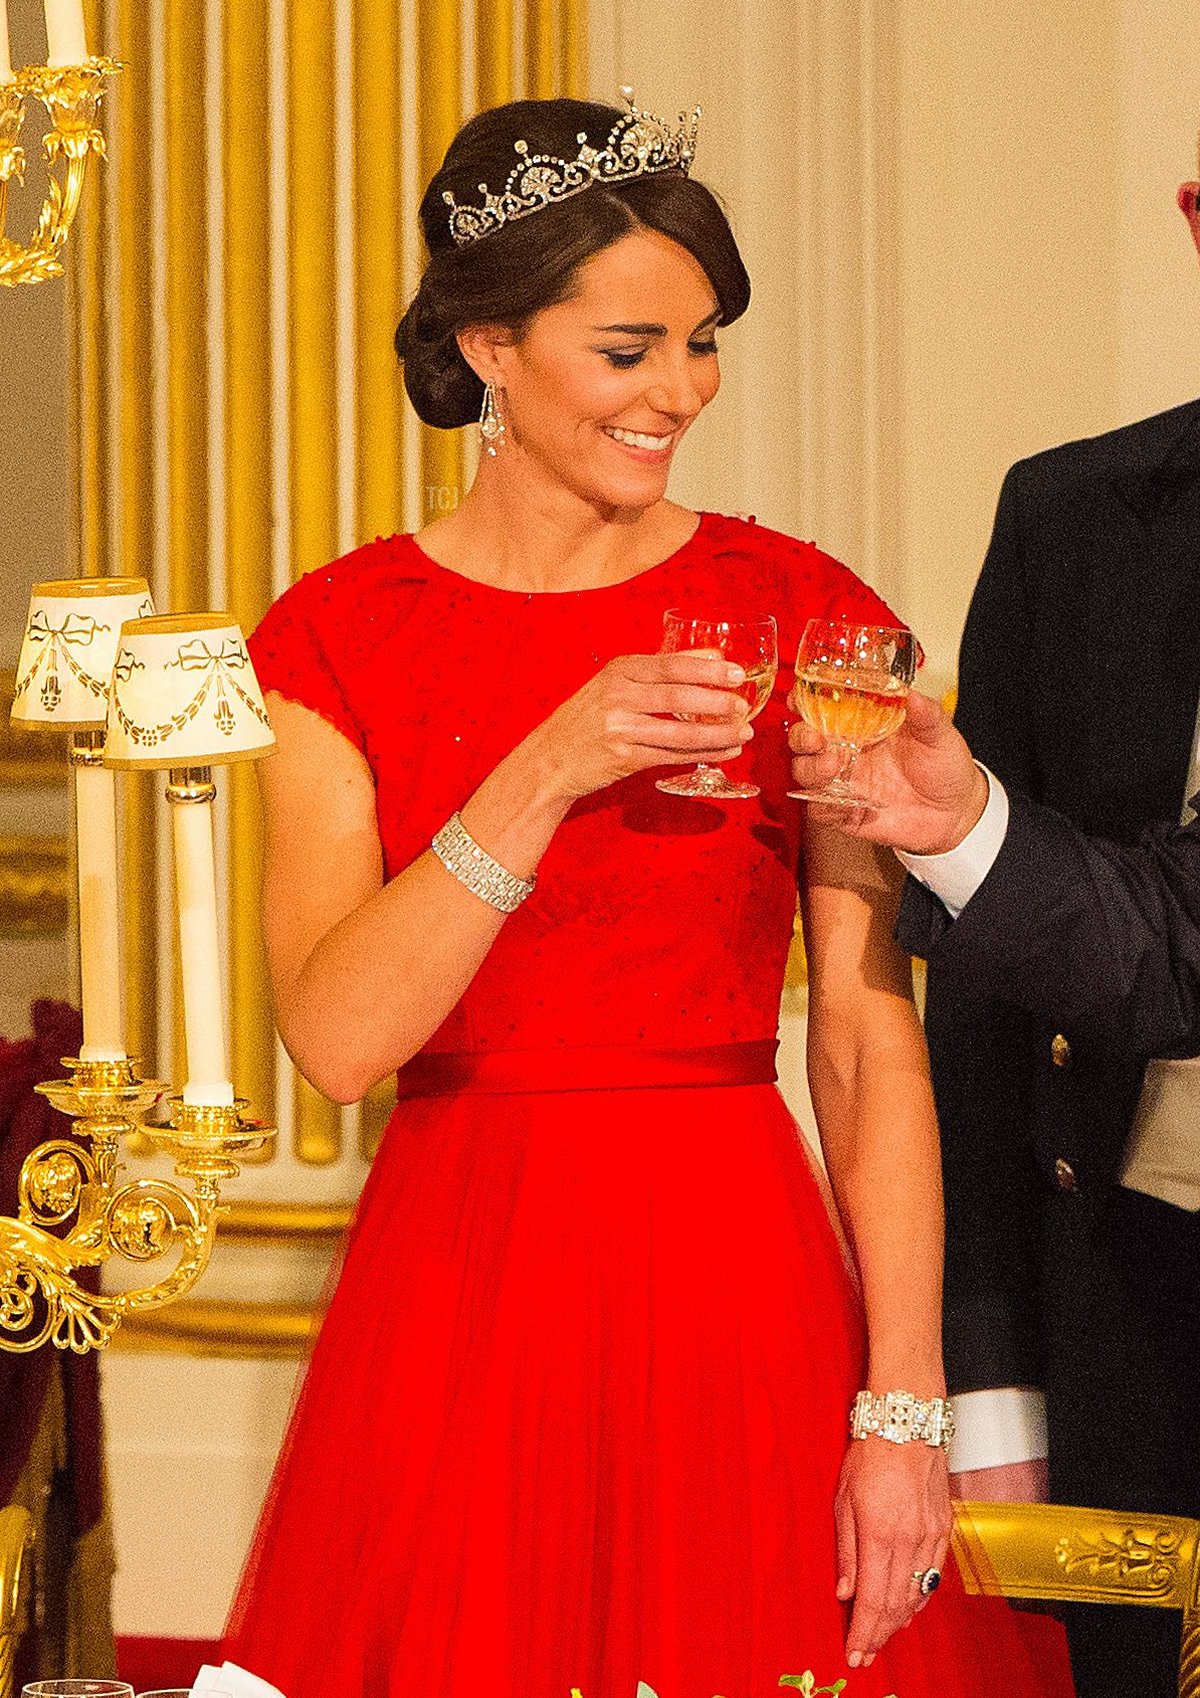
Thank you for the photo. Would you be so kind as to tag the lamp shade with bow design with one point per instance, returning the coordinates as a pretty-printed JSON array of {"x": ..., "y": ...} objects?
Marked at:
[
  {"x": 184, "y": 694},
  {"x": 69, "y": 647}
]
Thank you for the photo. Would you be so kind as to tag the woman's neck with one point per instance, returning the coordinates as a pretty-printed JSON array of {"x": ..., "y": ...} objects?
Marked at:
[{"x": 519, "y": 539}]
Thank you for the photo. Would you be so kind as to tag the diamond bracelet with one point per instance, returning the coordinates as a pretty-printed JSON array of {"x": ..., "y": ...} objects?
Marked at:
[
  {"x": 901, "y": 1418},
  {"x": 483, "y": 876}
]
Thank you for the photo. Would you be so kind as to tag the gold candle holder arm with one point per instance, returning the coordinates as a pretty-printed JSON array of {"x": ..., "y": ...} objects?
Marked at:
[
  {"x": 71, "y": 95},
  {"x": 74, "y": 1185}
]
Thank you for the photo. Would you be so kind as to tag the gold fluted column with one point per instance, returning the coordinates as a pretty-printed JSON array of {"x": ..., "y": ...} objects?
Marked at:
[
  {"x": 439, "y": 71},
  {"x": 312, "y": 292},
  {"x": 185, "y": 283},
  {"x": 248, "y": 554},
  {"x": 92, "y": 237},
  {"x": 543, "y": 45},
  {"x": 186, "y": 303},
  {"x": 137, "y": 451},
  {"x": 380, "y": 302},
  {"x": 495, "y": 63},
  {"x": 574, "y": 48}
]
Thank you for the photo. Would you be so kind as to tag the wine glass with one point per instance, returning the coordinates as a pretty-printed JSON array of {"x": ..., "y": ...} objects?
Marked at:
[
  {"x": 851, "y": 685},
  {"x": 77, "y": 1689},
  {"x": 752, "y": 644}
]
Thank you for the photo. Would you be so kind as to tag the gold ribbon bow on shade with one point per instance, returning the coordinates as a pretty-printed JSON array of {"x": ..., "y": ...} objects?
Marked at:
[{"x": 159, "y": 716}]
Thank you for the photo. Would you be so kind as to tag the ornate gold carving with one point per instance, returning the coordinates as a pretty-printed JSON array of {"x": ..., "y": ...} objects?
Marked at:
[
  {"x": 34, "y": 886},
  {"x": 1126, "y": 1557},
  {"x": 74, "y": 1186},
  {"x": 71, "y": 94},
  {"x": 1085, "y": 1555}
]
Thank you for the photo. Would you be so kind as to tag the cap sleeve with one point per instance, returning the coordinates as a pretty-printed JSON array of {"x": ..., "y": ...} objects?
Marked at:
[{"x": 292, "y": 654}]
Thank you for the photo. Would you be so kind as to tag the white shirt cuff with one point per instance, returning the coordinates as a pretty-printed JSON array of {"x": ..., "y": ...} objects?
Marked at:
[
  {"x": 956, "y": 875},
  {"x": 996, "y": 1427}
]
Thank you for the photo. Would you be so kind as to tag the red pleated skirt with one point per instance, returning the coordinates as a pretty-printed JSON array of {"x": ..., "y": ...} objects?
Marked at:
[{"x": 575, "y": 1419}]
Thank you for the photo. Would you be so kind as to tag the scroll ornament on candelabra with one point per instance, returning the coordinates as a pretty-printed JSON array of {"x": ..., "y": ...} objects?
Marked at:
[
  {"x": 70, "y": 86},
  {"x": 136, "y": 691}
]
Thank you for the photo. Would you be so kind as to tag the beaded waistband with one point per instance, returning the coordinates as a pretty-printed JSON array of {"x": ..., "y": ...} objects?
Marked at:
[{"x": 595, "y": 1067}]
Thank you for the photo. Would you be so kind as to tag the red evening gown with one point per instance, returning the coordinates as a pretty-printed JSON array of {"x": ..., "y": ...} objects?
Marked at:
[{"x": 578, "y": 1405}]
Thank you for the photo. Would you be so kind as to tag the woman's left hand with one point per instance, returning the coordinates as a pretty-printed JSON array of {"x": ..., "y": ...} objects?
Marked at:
[{"x": 892, "y": 1516}]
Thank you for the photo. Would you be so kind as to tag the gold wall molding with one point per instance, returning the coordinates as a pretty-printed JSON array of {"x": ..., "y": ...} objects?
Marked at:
[
  {"x": 204, "y": 1327},
  {"x": 280, "y": 1223}
]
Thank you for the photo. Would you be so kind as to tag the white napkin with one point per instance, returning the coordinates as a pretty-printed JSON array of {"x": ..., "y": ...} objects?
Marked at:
[{"x": 236, "y": 1682}]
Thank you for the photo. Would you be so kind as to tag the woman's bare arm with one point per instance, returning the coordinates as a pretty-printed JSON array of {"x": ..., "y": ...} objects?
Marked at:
[
  {"x": 365, "y": 970},
  {"x": 869, "y": 1075}
]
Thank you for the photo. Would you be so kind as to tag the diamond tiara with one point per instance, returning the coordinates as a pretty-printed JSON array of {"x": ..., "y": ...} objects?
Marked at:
[{"x": 638, "y": 145}]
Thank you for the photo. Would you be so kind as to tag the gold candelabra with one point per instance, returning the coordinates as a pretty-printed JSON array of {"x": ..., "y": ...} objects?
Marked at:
[
  {"x": 71, "y": 95},
  {"x": 76, "y": 1183},
  {"x": 135, "y": 691}
]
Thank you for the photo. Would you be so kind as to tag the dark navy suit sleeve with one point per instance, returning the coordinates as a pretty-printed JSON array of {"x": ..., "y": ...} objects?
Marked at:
[
  {"x": 1098, "y": 938},
  {"x": 981, "y": 1050}
]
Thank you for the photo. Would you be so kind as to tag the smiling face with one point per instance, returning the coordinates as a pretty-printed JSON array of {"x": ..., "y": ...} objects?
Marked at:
[{"x": 598, "y": 393}]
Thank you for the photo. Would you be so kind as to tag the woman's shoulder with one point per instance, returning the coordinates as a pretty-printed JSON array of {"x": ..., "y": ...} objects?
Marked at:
[
  {"x": 372, "y": 570},
  {"x": 316, "y": 643},
  {"x": 347, "y": 606}
]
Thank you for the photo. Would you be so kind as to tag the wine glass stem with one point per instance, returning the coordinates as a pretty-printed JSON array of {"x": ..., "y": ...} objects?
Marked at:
[{"x": 847, "y": 767}]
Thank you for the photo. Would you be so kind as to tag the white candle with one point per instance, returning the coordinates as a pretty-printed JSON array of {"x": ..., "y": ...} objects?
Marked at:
[
  {"x": 5, "y": 61},
  {"x": 99, "y": 925},
  {"x": 65, "y": 44},
  {"x": 208, "y": 1082}
]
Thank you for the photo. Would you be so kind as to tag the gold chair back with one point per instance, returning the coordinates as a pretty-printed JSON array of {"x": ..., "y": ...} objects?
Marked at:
[
  {"x": 16, "y": 1538},
  {"x": 1095, "y": 1556}
]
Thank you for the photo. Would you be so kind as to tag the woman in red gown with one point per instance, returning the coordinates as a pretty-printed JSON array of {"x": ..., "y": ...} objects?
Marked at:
[{"x": 578, "y": 1412}]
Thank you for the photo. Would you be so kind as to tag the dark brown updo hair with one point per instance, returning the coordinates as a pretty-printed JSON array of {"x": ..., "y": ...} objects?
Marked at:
[{"x": 508, "y": 276}]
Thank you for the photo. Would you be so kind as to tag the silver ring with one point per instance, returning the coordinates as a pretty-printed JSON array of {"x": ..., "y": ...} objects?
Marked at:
[{"x": 928, "y": 1580}]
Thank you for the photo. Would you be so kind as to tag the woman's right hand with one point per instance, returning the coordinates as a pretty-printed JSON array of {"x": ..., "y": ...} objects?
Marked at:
[{"x": 621, "y": 721}]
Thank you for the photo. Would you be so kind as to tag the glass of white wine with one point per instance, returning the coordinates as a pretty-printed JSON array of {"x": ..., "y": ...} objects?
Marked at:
[
  {"x": 852, "y": 683},
  {"x": 752, "y": 644}
]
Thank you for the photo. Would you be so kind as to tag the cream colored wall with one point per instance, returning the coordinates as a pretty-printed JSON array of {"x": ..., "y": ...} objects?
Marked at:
[
  {"x": 1159, "y": 281},
  {"x": 1035, "y": 280}
]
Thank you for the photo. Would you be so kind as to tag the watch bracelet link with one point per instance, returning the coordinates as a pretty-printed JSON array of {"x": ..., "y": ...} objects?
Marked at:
[{"x": 901, "y": 1418}]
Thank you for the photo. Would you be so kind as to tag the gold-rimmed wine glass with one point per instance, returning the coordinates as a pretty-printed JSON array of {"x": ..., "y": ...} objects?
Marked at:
[
  {"x": 852, "y": 684},
  {"x": 752, "y": 644}
]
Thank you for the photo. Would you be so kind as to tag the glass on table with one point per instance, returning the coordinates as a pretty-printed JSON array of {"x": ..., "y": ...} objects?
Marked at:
[
  {"x": 77, "y": 1688},
  {"x": 752, "y": 644},
  {"x": 852, "y": 684},
  {"x": 181, "y": 1692}
]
